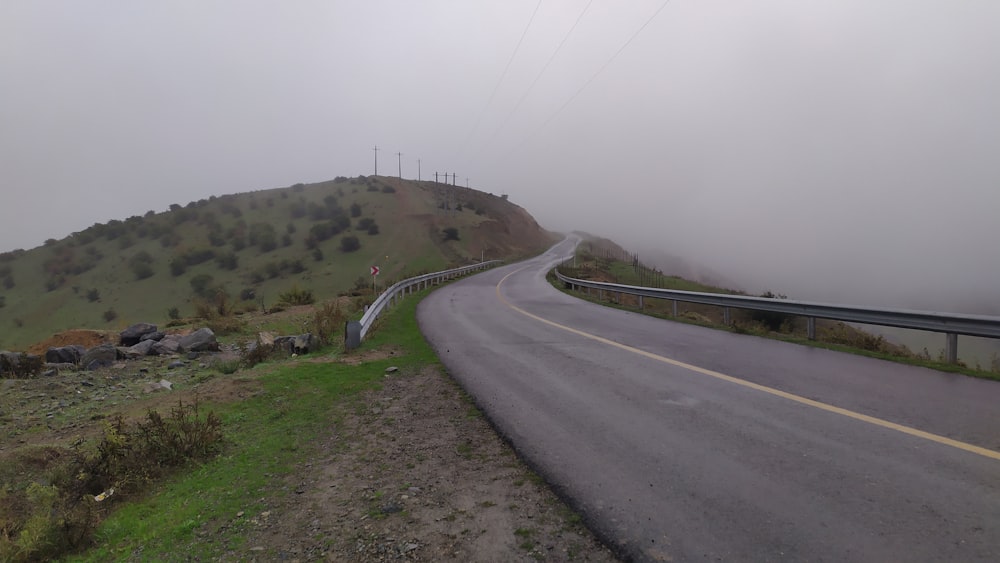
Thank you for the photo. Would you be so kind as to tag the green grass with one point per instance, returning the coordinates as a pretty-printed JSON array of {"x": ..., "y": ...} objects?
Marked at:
[
  {"x": 408, "y": 243},
  {"x": 267, "y": 435}
]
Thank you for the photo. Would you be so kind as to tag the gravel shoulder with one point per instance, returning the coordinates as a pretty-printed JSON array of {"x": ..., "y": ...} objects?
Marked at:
[{"x": 413, "y": 472}]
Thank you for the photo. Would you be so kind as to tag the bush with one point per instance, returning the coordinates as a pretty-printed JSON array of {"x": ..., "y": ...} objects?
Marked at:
[
  {"x": 201, "y": 283},
  {"x": 296, "y": 296},
  {"x": 373, "y": 230},
  {"x": 388, "y": 189},
  {"x": 327, "y": 322},
  {"x": 773, "y": 321},
  {"x": 173, "y": 313},
  {"x": 8, "y": 282},
  {"x": 142, "y": 270},
  {"x": 110, "y": 315},
  {"x": 450, "y": 233},
  {"x": 349, "y": 244},
  {"x": 355, "y": 210},
  {"x": 93, "y": 295}
]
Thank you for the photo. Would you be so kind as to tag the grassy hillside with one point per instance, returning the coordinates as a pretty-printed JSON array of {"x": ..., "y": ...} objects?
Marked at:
[{"x": 249, "y": 249}]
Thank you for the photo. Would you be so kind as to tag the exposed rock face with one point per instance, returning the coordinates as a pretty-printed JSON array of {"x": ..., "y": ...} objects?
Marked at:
[
  {"x": 64, "y": 354},
  {"x": 133, "y": 334},
  {"x": 201, "y": 340},
  {"x": 98, "y": 357}
]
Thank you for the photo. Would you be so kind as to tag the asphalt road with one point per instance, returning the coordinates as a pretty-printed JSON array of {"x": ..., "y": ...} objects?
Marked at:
[{"x": 681, "y": 443}]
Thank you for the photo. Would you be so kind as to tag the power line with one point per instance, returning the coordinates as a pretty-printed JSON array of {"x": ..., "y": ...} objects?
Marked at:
[
  {"x": 539, "y": 75},
  {"x": 503, "y": 74},
  {"x": 592, "y": 78}
]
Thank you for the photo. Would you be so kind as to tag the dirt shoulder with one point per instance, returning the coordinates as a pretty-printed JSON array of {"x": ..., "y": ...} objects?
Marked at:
[{"x": 413, "y": 472}]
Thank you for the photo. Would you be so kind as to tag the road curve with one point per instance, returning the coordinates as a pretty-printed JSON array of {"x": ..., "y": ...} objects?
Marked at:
[{"x": 679, "y": 442}]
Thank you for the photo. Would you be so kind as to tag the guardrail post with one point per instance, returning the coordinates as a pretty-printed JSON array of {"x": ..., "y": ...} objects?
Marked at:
[
  {"x": 811, "y": 328},
  {"x": 673, "y": 307},
  {"x": 600, "y": 295},
  {"x": 951, "y": 351},
  {"x": 641, "y": 307},
  {"x": 726, "y": 316}
]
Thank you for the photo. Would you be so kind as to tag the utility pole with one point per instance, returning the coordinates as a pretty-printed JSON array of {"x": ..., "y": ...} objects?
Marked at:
[
  {"x": 454, "y": 178},
  {"x": 400, "y": 155},
  {"x": 435, "y": 177},
  {"x": 418, "y": 169},
  {"x": 376, "y": 159}
]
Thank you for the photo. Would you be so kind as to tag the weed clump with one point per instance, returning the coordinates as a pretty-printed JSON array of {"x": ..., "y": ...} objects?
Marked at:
[{"x": 55, "y": 515}]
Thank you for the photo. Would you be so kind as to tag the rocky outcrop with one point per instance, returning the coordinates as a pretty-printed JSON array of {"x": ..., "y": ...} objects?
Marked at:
[
  {"x": 298, "y": 344},
  {"x": 64, "y": 355},
  {"x": 133, "y": 334},
  {"x": 98, "y": 357},
  {"x": 143, "y": 348},
  {"x": 201, "y": 340}
]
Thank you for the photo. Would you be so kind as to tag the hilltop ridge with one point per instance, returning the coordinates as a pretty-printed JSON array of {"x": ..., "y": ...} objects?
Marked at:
[{"x": 247, "y": 249}]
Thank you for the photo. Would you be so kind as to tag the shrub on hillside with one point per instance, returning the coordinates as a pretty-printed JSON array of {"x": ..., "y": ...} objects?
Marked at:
[
  {"x": 349, "y": 244},
  {"x": 327, "y": 322},
  {"x": 110, "y": 315},
  {"x": 355, "y": 210},
  {"x": 388, "y": 189},
  {"x": 450, "y": 233},
  {"x": 296, "y": 296},
  {"x": 93, "y": 295},
  {"x": 200, "y": 284}
]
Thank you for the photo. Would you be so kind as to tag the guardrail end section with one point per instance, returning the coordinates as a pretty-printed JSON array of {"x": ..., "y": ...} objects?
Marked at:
[{"x": 352, "y": 335}]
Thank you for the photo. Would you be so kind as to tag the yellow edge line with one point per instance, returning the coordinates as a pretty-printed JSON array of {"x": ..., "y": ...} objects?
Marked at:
[{"x": 770, "y": 390}]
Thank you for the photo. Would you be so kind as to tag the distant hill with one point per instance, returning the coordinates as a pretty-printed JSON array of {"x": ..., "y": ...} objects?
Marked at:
[{"x": 254, "y": 246}]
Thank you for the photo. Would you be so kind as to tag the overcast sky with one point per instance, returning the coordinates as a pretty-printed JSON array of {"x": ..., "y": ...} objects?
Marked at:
[{"x": 828, "y": 149}]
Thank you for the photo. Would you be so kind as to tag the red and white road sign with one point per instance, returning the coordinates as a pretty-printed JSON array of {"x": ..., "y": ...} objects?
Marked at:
[{"x": 374, "y": 270}]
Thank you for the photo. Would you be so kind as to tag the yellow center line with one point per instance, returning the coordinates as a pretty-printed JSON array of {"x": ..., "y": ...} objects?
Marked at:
[{"x": 992, "y": 454}]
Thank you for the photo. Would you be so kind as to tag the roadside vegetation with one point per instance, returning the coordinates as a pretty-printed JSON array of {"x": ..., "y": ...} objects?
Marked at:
[{"x": 605, "y": 262}]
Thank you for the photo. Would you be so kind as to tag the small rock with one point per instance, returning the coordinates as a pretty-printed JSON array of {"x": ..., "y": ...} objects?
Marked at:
[
  {"x": 240, "y": 514},
  {"x": 175, "y": 364},
  {"x": 166, "y": 384},
  {"x": 50, "y": 372},
  {"x": 392, "y": 369}
]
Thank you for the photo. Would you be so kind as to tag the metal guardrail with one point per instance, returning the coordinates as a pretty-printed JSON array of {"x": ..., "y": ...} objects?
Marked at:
[
  {"x": 952, "y": 324},
  {"x": 357, "y": 330}
]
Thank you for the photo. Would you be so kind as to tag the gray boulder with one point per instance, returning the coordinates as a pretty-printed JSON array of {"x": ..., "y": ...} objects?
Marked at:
[
  {"x": 98, "y": 357},
  {"x": 141, "y": 349},
  {"x": 157, "y": 336},
  {"x": 133, "y": 334},
  {"x": 299, "y": 344},
  {"x": 9, "y": 362},
  {"x": 304, "y": 343},
  {"x": 167, "y": 346},
  {"x": 64, "y": 354},
  {"x": 201, "y": 340}
]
